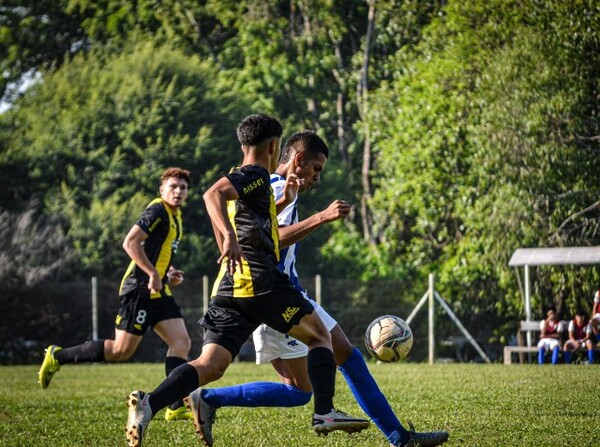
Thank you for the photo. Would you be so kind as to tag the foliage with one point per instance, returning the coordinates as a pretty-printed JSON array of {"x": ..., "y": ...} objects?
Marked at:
[
  {"x": 471, "y": 128},
  {"x": 97, "y": 133},
  {"x": 480, "y": 135}
]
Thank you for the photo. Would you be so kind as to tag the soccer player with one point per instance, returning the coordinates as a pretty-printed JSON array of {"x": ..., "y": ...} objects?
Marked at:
[
  {"x": 304, "y": 157},
  {"x": 550, "y": 332},
  {"x": 145, "y": 295},
  {"x": 579, "y": 337},
  {"x": 249, "y": 290}
]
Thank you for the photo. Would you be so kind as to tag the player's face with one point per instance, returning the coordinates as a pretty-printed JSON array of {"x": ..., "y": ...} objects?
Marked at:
[
  {"x": 174, "y": 191},
  {"x": 309, "y": 169}
]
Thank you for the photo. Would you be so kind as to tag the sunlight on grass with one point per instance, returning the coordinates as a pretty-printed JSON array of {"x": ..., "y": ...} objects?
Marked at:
[{"x": 480, "y": 405}]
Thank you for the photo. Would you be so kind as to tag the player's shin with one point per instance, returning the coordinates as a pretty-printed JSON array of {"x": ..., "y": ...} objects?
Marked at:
[{"x": 369, "y": 396}]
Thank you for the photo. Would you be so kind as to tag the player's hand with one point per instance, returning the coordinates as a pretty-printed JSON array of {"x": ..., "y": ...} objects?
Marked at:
[
  {"x": 232, "y": 254},
  {"x": 175, "y": 276},
  {"x": 154, "y": 282},
  {"x": 291, "y": 187},
  {"x": 338, "y": 209}
]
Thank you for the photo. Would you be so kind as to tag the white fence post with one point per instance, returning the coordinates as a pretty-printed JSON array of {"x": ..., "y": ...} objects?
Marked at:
[
  {"x": 318, "y": 289},
  {"x": 94, "y": 308},
  {"x": 431, "y": 321},
  {"x": 205, "y": 294}
]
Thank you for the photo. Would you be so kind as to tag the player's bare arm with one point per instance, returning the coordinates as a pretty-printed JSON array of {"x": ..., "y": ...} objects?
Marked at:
[
  {"x": 215, "y": 200},
  {"x": 290, "y": 191},
  {"x": 135, "y": 250},
  {"x": 288, "y": 235}
]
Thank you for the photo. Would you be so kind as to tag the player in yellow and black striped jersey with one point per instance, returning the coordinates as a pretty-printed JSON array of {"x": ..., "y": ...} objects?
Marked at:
[
  {"x": 165, "y": 228},
  {"x": 145, "y": 294},
  {"x": 249, "y": 290}
]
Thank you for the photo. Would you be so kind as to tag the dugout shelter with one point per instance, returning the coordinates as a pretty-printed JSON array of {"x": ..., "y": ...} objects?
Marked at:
[{"x": 526, "y": 257}]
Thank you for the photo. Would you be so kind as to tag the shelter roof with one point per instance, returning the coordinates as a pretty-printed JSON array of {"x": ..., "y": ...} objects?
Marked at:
[{"x": 555, "y": 256}]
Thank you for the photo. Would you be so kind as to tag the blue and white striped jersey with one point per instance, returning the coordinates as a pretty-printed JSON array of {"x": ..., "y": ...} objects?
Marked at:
[{"x": 289, "y": 216}]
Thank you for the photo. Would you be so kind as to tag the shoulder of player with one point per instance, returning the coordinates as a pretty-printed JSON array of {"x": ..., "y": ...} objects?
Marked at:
[
  {"x": 249, "y": 178},
  {"x": 156, "y": 210}
]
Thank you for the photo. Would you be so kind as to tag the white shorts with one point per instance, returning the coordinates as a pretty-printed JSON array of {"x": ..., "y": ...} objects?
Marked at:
[
  {"x": 270, "y": 344},
  {"x": 548, "y": 344}
]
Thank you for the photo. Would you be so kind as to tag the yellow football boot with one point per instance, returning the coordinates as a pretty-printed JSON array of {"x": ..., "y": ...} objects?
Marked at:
[{"x": 50, "y": 366}]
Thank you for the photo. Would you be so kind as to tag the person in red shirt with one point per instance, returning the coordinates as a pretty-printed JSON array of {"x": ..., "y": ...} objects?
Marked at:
[
  {"x": 579, "y": 337},
  {"x": 550, "y": 333}
]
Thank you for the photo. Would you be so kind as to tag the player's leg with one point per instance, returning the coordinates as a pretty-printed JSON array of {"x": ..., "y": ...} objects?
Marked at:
[
  {"x": 568, "y": 348},
  {"x": 174, "y": 333},
  {"x": 119, "y": 349},
  {"x": 542, "y": 346},
  {"x": 364, "y": 388},
  {"x": 287, "y": 356},
  {"x": 210, "y": 366},
  {"x": 226, "y": 329},
  {"x": 555, "y": 349},
  {"x": 589, "y": 345},
  {"x": 321, "y": 371},
  {"x": 122, "y": 347}
]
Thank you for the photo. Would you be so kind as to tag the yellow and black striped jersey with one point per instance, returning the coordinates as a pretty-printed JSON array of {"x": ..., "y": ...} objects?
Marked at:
[
  {"x": 164, "y": 229},
  {"x": 253, "y": 217}
]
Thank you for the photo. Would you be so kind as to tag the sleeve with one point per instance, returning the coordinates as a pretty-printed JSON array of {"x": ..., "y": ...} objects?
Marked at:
[
  {"x": 152, "y": 216},
  {"x": 571, "y": 326}
]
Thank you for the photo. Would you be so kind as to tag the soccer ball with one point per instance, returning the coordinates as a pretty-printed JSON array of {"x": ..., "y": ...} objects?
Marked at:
[{"x": 389, "y": 338}]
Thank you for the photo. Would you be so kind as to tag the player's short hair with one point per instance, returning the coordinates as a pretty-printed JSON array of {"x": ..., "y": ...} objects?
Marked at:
[
  {"x": 181, "y": 174},
  {"x": 307, "y": 141},
  {"x": 258, "y": 128}
]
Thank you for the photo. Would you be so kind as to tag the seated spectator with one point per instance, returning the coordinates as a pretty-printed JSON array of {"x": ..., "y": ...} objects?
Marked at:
[
  {"x": 550, "y": 333},
  {"x": 579, "y": 337},
  {"x": 595, "y": 323}
]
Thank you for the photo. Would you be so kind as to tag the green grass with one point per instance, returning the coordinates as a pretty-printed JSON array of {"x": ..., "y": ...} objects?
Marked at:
[{"x": 480, "y": 405}]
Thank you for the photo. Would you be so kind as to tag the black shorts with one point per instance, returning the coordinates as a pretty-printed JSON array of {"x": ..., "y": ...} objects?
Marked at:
[
  {"x": 138, "y": 312},
  {"x": 229, "y": 321}
]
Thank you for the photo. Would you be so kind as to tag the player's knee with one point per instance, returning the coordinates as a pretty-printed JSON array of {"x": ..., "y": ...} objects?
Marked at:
[
  {"x": 181, "y": 346},
  {"x": 121, "y": 353},
  {"x": 209, "y": 371}
]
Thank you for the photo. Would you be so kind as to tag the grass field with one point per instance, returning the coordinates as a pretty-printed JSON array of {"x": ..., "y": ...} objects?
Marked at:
[{"x": 480, "y": 405}]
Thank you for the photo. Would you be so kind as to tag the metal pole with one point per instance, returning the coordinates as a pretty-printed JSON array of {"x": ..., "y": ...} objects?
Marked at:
[
  {"x": 205, "y": 294},
  {"x": 94, "y": 308},
  {"x": 431, "y": 321},
  {"x": 318, "y": 289},
  {"x": 458, "y": 323},
  {"x": 417, "y": 307},
  {"x": 527, "y": 303}
]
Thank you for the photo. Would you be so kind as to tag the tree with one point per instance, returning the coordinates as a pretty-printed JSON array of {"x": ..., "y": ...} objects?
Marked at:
[{"x": 95, "y": 135}]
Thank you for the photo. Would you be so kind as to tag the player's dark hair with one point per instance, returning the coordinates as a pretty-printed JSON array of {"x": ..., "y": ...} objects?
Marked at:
[
  {"x": 258, "y": 128},
  {"x": 307, "y": 141},
  {"x": 181, "y": 174}
]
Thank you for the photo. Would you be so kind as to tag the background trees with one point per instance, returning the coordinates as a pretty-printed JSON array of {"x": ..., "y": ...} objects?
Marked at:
[{"x": 461, "y": 131}]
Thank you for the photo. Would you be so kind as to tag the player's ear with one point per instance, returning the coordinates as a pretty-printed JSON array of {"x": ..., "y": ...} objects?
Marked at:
[{"x": 299, "y": 158}]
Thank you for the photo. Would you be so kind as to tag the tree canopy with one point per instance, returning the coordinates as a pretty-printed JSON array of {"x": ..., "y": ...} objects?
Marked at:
[{"x": 460, "y": 130}]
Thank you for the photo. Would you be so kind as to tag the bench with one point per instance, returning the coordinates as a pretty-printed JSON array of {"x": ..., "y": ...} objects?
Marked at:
[{"x": 521, "y": 348}]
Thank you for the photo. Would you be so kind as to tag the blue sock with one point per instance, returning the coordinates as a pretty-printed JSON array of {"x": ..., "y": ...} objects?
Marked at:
[
  {"x": 541, "y": 355},
  {"x": 370, "y": 398},
  {"x": 555, "y": 352},
  {"x": 591, "y": 355},
  {"x": 567, "y": 356},
  {"x": 256, "y": 394}
]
